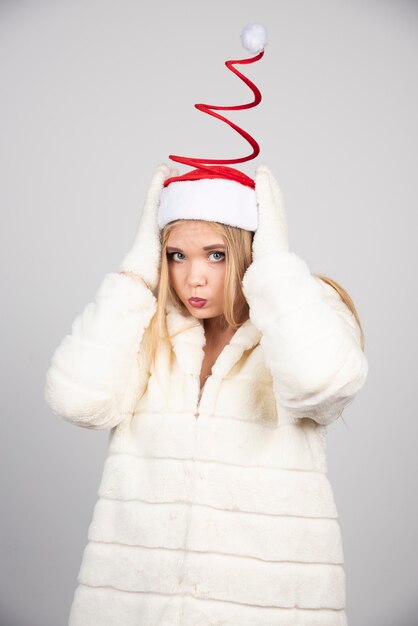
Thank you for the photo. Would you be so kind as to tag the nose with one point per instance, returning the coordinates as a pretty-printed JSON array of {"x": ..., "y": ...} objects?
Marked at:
[{"x": 196, "y": 277}]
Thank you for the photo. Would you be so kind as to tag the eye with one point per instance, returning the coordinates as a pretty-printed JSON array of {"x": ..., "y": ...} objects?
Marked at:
[
  {"x": 222, "y": 257},
  {"x": 171, "y": 255}
]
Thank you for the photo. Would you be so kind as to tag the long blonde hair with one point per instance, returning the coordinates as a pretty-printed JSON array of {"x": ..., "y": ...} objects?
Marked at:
[{"x": 238, "y": 244}]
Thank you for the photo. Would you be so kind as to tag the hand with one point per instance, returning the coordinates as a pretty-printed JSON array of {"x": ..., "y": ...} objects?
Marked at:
[
  {"x": 272, "y": 230},
  {"x": 144, "y": 259}
]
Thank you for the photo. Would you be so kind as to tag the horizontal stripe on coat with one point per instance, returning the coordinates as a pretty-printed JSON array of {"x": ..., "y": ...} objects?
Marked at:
[
  {"x": 227, "y": 487},
  {"x": 266, "y": 537},
  {"x": 214, "y": 576},
  {"x": 107, "y": 607},
  {"x": 223, "y": 439}
]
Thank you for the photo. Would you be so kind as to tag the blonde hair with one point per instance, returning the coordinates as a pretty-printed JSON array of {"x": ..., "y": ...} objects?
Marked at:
[
  {"x": 347, "y": 301},
  {"x": 238, "y": 244}
]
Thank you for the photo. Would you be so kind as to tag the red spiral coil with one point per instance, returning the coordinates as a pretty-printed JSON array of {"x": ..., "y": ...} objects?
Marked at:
[{"x": 202, "y": 163}]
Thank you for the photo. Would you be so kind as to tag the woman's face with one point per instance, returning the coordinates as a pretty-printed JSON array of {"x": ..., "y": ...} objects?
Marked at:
[{"x": 194, "y": 269}]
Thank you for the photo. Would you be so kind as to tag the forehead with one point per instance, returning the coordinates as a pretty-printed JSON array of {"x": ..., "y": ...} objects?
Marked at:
[{"x": 192, "y": 231}]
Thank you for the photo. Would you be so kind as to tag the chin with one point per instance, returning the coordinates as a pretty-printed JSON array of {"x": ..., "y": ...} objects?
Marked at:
[
  {"x": 204, "y": 313},
  {"x": 197, "y": 312}
]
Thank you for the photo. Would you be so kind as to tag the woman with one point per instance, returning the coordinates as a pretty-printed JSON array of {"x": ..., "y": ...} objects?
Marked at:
[{"x": 214, "y": 506}]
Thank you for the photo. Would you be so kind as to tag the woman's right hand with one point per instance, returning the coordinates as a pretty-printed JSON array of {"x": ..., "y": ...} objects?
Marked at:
[{"x": 144, "y": 259}]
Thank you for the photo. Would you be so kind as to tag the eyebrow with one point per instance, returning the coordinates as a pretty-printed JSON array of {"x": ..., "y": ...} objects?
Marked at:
[{"x": 211, "y": 247}]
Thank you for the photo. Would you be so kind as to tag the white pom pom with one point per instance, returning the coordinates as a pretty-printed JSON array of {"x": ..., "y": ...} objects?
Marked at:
[{"x": 254, "y": 38}]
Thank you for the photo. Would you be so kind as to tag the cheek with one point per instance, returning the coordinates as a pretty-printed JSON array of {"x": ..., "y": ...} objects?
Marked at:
[
  {"x": 173, "y": 274},
  {"x": 220, "y": 278}
]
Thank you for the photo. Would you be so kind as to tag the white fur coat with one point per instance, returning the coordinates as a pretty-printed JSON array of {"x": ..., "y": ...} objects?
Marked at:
[{"x": 214, "y": 508}]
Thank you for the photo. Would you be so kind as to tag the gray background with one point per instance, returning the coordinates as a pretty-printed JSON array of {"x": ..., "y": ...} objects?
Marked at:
[{"x": 94, "y": 95}]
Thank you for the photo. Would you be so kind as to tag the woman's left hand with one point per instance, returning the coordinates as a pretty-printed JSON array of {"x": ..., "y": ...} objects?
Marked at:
[{"x": 272, "y": 229}]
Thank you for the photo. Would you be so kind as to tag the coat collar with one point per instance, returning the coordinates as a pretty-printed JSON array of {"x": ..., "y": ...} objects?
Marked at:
[{"x": 189, "y": 342}]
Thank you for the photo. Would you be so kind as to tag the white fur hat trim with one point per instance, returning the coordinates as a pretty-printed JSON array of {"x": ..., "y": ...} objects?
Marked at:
[{"x": 211, "y": 199}]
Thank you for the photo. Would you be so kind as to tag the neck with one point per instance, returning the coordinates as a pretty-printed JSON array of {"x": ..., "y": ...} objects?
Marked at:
[{"x": 217, "y": 327}]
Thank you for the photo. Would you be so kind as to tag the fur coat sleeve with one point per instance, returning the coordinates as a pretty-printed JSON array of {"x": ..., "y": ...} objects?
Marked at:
[
  {"x": 310, "y": 338},
  {"x": 98, "y": 372}
]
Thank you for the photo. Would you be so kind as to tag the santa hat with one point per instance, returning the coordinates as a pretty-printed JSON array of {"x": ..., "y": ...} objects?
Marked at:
[{"x": 217, "y": 193}]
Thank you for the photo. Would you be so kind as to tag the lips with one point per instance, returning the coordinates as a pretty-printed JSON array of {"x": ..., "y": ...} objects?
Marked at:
[{"x": 197, "y": 302}]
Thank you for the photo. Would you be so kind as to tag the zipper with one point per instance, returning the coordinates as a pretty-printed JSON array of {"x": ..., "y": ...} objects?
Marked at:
[{"x": 199, "y": 397}]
